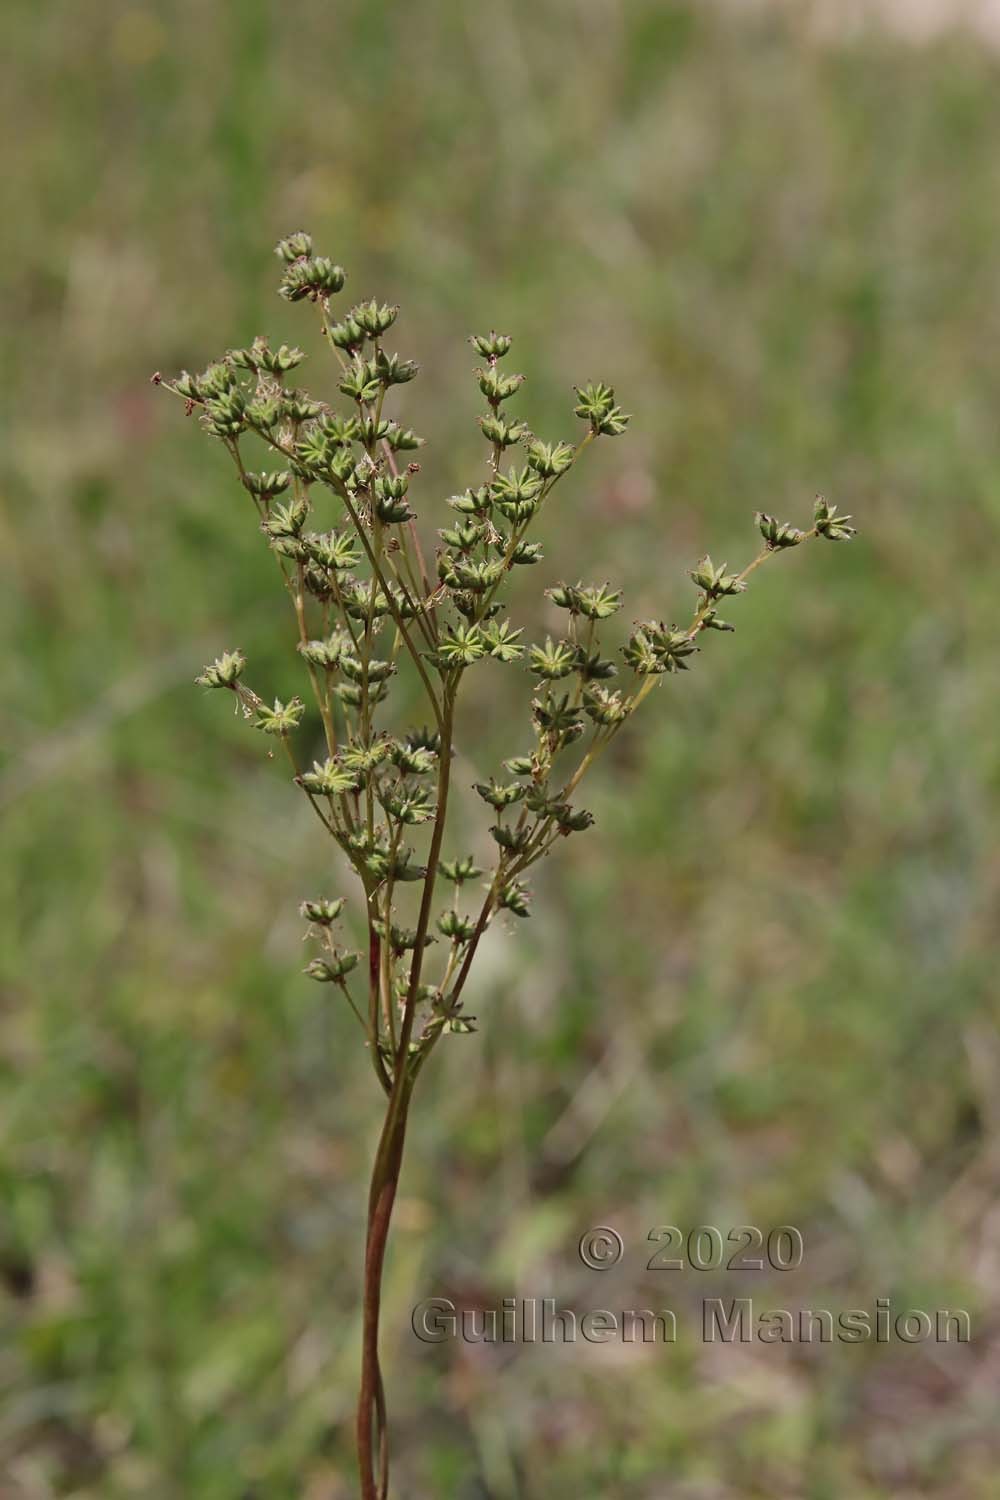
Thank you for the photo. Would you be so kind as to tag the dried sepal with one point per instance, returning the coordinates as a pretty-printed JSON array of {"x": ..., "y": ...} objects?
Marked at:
[
  {"x": 328, "y": 778},
  {"x": 715, "y": 581},
  {"x": 777, "y": 534},
  {"x": 491, "y": 345},
  {"x": 331, "y": 970},
  {"x": 323, "y": 912},
  {"x": 553, "y": 660},
  {"x": 280, "y": 719},
  {"x": 224, "y": 672},
  {"x": 312, "y": 277},
  {"x": 514, "y": 897},
  {"x": 828, "y": 523},
  {"x": 499, "y": 796},
  {"x": 458, "y": 871},
  {"x": 458, "y": 928}
]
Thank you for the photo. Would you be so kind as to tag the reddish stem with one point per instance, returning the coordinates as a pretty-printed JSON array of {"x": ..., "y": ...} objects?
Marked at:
[{"x": 371, "y": 1422}]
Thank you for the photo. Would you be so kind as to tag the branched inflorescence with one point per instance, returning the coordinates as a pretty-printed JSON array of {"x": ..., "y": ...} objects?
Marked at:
[{"x": 333, "y": 500}]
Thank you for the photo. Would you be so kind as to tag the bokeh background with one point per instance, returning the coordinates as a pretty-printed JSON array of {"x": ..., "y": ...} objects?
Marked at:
[{"x": 762, "y": 991}]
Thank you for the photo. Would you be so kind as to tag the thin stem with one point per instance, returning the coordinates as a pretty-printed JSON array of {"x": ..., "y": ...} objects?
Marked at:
[
  {"x": 518, "y": 533},
  {"x": 350, "y": 1000},
  {"x": 430, "y": 879},
  {"x": 385, "y": 976},
  {"x": 371, "y": 1419},
  {"x": 698, "y": 622},
  {"x": 342, "y": 494},
  {"x": 401, "y": 627},
  {"x": 385, "y": 1175}
]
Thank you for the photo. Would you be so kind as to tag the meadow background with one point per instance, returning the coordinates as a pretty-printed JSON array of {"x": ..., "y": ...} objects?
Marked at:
[{"x": 763, "y": 990}]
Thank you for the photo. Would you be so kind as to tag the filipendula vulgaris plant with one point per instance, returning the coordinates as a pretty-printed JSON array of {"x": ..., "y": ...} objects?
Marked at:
[{"x": 333, "y": 500}]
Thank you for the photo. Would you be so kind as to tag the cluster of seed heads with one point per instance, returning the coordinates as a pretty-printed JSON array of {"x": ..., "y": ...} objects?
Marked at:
[{"x": 333, "y": 495}]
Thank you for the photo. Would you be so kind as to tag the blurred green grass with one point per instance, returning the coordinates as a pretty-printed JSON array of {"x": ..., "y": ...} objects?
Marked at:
[{"x": 762, "y": 991}]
